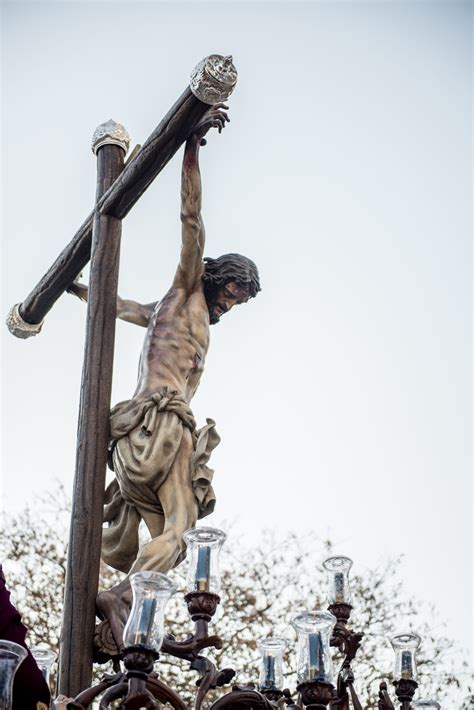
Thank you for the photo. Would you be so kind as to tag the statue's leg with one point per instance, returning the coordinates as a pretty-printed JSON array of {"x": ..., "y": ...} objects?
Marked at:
[
  {"x": 180, "y": 510},
  {"x": 154, "y": 522},
  {"x": 114, "y": 604}
]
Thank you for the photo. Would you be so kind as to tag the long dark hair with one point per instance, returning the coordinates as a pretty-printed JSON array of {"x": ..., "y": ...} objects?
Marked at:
[{"x": 230, "y": 267}]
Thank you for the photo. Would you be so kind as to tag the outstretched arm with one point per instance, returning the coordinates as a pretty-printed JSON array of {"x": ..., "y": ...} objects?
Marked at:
[
  {"x": 190, "y": 268},
  {"x": 129, "y": 311}
]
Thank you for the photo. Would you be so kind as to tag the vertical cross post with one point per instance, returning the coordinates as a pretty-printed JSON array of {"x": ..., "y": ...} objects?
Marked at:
[{"x": 110, "y": 143}]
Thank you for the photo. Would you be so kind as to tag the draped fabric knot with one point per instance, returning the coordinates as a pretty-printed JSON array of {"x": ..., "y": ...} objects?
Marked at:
[{"x": 127, "y": 415}]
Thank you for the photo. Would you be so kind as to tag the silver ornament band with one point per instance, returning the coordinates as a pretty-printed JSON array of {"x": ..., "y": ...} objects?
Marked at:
[
  {"x": 110, "y": 133},
  {"x": 214, "y": 79},
  {"x": 19, "y": 327}
]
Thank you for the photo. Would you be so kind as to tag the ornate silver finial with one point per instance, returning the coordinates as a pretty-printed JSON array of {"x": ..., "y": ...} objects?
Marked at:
[
  {"x": 19, "y": 327},
  {"x": 214, "y": 79},
  {"x": 110, "y": 133}
]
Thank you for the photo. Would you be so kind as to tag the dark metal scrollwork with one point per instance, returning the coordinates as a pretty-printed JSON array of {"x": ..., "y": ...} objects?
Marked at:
[
  {"x": 384, "y": 702},
  {"x": 347, "y": 642},
  {"x": 139, "y": 686},
  {"x": 244, "y": 696}
]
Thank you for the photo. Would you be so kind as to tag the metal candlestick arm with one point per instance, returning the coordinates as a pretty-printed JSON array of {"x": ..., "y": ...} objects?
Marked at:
[
  {"x": 133, "y": 686},
  {"x": 201, "y": 607},
  {"x": 244, "y": 696},
  {"x": 139, "y": 687},
  {"x": 315, "y": 695},
  {"x": 84, "y": 699},
  {"x": 344, "y": 638},
  {"x": 384, "y": 702},
  {"x": 347, "y": 642}
]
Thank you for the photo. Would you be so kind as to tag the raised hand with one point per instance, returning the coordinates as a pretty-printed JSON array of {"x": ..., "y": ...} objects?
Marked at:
[{"x": 216, "y": 117}]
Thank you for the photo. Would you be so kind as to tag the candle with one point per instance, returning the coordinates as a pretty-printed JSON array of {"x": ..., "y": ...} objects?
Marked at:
[
  {"x": 339, "y": 587},
  {"x": 316, "y": 662},
  {"x": 407, "y": 665},
  {"x": 269, "y": 671},
  {"x": 203, "y": 568},
  {"x": 145, "y": 622}
]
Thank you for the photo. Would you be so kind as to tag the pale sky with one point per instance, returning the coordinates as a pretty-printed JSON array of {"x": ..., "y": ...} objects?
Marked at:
[{"x": 342, "y": 392}]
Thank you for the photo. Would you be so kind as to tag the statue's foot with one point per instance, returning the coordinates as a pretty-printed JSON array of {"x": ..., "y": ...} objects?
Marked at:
[
  {"x": 105, "y": 648},
  {"x": 113, "y": 605}
]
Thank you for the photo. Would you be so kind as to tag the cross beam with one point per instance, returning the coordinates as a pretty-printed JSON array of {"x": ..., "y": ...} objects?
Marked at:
[{"x": 212, "y": 81}]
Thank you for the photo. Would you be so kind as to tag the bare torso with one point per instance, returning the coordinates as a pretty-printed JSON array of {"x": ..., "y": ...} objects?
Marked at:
[{"x": 176, "y": 344}]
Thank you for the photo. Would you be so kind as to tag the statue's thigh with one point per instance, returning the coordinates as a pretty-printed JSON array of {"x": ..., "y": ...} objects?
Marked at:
[
  {"x": 176, "y": 495},
  {"x": 154, "y": 521}
]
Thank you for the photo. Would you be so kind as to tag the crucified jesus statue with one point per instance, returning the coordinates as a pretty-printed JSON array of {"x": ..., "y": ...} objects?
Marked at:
[{"x": 158, "y": 455}]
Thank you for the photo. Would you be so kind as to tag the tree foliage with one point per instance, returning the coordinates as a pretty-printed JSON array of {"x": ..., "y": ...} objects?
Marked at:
[{"x": 263, "y": 587}]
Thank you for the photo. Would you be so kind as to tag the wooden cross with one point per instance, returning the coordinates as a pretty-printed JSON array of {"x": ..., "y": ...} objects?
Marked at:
[{"x": 98, "y": 239}]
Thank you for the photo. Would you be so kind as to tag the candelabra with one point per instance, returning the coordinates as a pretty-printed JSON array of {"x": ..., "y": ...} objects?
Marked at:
[{"x": 135, "y": 684}]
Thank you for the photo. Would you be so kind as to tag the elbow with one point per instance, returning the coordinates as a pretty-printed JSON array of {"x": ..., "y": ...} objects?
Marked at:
[{"x": 191, "y": 222}]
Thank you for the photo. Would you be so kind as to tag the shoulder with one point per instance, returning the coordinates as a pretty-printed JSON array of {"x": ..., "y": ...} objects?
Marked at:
[{"x": 180, "y": 298}]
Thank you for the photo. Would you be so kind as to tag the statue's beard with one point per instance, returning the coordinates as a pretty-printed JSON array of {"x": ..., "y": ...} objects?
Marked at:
[
  {"x": 215, "y": 312},
  {"x": 216, "y": 309}
]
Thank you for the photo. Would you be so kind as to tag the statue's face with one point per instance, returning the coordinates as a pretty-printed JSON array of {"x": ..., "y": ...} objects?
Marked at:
[{"x": 226, "y": 297}]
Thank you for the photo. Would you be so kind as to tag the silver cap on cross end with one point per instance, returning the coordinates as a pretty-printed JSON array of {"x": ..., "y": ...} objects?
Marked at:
[
  {"x": 110, "y": 133},
  {"x": 214, "y": 79},
  {"x": 19, "y": 327}
]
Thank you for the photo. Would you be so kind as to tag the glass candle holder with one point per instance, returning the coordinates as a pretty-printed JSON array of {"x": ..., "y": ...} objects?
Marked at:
[
  {"x": 204, "y": 545},
  {"x": 337, "y": 569},
  {"x": 145, "y": 625},
  {"x": 426, "y": 704},
  {"x": 314, "y": 629},
  {"x": 11, "y": 656},
  {"x": 271, "y": 669},
  {"x": 44, "y": 658},
  {"x": 405, "y": 646}
]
